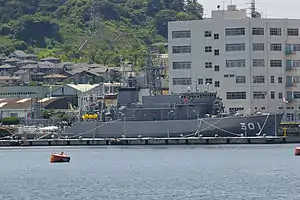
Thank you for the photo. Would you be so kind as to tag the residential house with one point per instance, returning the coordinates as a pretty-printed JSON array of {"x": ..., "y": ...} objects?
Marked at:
[
  {"x": 4, "y": 73},
  {"x": 23, "y": 56},
  {"x": 51, "y": 59},
  {"x": 48, "y": 68},
  {"x": 54, "y": 79},
  {"x": 9, "y": 80},
  {"x": 2, "y": 58},
  {"x": 67, "y": 66},
  {"x": 11, "y": 61},
  {"x": 25, "y": 76},
  {"x": 84, "y": 77},
  {"x": 37, "y": 77},
  {"x": 9, "y": 69},
  {"x": 25, "y": 62},
  {"x": 83, "y": 73}
]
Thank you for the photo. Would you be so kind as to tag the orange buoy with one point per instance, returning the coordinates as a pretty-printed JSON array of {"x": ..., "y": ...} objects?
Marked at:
[
  {"x": 59, "y": 157},
  {"x": 297, "y": 151}
]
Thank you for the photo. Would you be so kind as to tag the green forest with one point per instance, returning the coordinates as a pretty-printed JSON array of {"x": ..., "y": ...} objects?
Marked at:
[{"x": 94, "y": 31}]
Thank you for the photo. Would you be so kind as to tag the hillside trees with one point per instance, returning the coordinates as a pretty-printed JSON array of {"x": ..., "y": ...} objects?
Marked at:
[{"x": 60, "y": 27}]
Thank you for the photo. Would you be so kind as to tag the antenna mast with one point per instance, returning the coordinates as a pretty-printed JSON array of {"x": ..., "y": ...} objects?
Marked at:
[
  {"x": 153, "y": 73},
  {"x": 253, "y": 9}
]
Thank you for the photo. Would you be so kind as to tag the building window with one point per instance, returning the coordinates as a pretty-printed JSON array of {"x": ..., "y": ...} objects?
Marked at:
[
  {"x": 275, "y": 47},
  {"x": 275, "y": 31},
  {"x": 258, "y": 47},
  {"x": 296, "y": 47},
  {"x": 258, "y": 62},
  {"x": 217, "y": 83},
  {"x": 258, "y": 31},
  {"x": 208, "y": 81},
  {"x": 216, "y": 36},
  {"x": 293, "y": 32},
  {"x": 217, "y": 68},
  {"x": 234, "y": 31},
  {"x": 235, "y": 47},
  {"x": 258, "y": 79},
  {"x": 296, "y": 95},
  {"x": 240, "y": 79},
  {"x": 279, "y": 79},
  {"x": 182, "y": 65},
  {"x": 275, "y": 63},
  {"x": 182, "y": 81},
  {"x": 228, "y": 75},
  {"x": 272, "y": 79},
  {"x": 259, "y": 95},
  {"x": 181, "y": 34},
  {"x": 181, "y": 49},
  {"x": 208, "y": 49},
  {"x": 280, "y": 95},
  {"x": 296, "y": 79},
  {"x": 200, "y": 81},
  {"x": 217, "y": 52},
  {"x": 296, "y": 63},
  {"x": 208, "y": 64},
  {"x": 272, "y": 95},
  {"x": 207, "y": 34},
  {"x": 236, "y": 63},
  {"x": 235, "y": 95}
]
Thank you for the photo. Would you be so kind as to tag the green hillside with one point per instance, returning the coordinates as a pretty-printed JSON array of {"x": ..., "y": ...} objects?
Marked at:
[{"x": 107, "y": 28}]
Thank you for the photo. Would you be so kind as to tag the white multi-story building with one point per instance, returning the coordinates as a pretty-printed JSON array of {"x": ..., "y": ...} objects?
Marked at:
[{"x": 253, "y": 63}]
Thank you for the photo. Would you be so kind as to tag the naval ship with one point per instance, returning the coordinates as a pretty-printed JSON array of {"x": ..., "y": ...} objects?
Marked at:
[
  {"x": 143, "y": 111},
  {"x": 189, "y": 114}
]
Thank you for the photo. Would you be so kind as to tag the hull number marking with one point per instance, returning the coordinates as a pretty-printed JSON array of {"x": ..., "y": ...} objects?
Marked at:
[{"x": 250, "y": 126}]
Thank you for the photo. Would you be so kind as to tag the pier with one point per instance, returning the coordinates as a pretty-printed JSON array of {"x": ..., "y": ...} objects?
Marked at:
[{"x": 152, "y": 141}]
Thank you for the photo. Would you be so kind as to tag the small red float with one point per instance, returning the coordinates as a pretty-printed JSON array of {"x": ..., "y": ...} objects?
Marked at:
[
  {"x": 56, "y": 157},
  {"x": 297, "y": 151}
]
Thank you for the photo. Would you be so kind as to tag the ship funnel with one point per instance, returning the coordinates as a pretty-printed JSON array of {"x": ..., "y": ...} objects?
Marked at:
[{"x": 127, "y": 96}]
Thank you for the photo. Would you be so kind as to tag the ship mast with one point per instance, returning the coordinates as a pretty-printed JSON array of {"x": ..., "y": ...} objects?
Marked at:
[
  {"x": 154, "y": 72},
  {"x": 253, "y": 8},
  {"x": 254, "y": 12}
]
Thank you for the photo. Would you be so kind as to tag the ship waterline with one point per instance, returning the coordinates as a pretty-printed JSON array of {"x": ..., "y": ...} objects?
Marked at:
[{"x": 231, "y": 126}]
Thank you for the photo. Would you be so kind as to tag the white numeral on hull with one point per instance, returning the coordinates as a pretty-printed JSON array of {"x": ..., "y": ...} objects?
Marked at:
[{"x": 250, "y": 126}]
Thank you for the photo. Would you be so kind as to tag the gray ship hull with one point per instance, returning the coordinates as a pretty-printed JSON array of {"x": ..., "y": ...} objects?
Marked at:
[{"x": 233, "y": 126}]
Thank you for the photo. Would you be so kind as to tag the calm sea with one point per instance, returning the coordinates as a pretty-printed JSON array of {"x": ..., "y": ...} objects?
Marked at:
[{"x": 144, "y": 173}]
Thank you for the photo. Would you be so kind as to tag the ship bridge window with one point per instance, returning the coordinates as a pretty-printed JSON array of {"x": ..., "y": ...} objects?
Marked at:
[{"x": 236, "y": 109}]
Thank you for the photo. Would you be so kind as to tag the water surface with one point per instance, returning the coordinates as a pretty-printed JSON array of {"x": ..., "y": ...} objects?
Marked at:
[{"x": 232, "y": 172}]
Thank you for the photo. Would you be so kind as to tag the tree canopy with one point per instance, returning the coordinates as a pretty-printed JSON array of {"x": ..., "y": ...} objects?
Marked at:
[{"x": 97, "y": 31}]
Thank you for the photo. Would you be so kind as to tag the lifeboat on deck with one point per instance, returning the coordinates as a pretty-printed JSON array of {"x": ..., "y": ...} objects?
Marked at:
[
  {"x": 297, "y": 151},
  {"x": 59, "y": 157}
]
